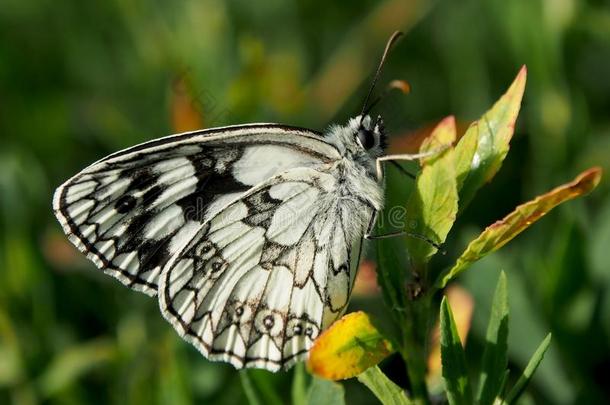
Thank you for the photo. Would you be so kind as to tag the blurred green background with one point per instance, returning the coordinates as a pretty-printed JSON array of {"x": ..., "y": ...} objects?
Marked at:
[{"x": 81, "y": 79}]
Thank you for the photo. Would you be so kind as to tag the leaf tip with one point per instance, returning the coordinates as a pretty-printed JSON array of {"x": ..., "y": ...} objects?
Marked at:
[
  {"x": 589, "y": 179},
  {"x": 441, "y": 137},
  {"x": 502, "y": 279},
  {"x": 518, "y": 85},
  {"x": 448, "y": 121}
]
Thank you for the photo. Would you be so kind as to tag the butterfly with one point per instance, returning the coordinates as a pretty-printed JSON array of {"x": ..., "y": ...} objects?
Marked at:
[{"x": 249, "y": 235}]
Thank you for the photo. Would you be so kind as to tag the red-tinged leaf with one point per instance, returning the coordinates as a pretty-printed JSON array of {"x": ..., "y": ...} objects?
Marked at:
[
  {"x": 489, "y": 137},
  {"x": 347, "y": 348},
  {"x": 411, "y": 141},
  {"x": 440, "y": 138},
  {"x": 501, "y": 232},
  {"x": 432, "y": 207}
]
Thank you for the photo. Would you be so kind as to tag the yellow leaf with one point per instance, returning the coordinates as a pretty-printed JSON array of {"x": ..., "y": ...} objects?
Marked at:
[{"x": 347, "y": 348}]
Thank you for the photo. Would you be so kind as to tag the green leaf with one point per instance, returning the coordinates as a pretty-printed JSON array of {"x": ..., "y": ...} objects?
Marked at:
[
  {"x": 529, "y": 371},
  {"x": 453, "y": 360},
  {"x": 495, "y": 357},
  {"x": 493, "y": 133},
  {"x": 391, "y": 269},
  {"x": 502, "y": 389},
  {"x": 432, "y": 207},
  {"x": 259, "y": 382},
  {"x": 248, "y": 387},
  {"x": 464, "y": 152},
  {"x": 384, "y": 389},
  {"x": 503, "y": 231},
  {"x": 299, "y": 385},
  {"x": 323, "y": 391}
]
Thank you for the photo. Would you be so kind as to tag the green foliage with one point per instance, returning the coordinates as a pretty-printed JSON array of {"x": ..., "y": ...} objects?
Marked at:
[
  {"x": 431, "y": 211},
  {"x": 492, "y": 378},
  {"x": 433, "y": 207}
]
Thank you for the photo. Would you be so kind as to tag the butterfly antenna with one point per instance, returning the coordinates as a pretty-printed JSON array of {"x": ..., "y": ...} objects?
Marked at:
[{"x": 388, "y": 46}]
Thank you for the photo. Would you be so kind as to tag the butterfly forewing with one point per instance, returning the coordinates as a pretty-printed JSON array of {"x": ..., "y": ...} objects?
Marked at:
[
  {"x": 132, "y": 211},
  {"x": 260, "y": 279}
]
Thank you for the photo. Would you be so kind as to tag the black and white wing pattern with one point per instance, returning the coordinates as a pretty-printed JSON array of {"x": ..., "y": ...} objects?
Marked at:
[
  {"x": 134, "y": 210},
  {"x": 265, "y": 275}
]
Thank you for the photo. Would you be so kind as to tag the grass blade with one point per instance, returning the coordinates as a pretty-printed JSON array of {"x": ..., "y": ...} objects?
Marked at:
[
  {"x": 259, "y": 388},
  {"x": 453, "y": 360},
  {"x": 495, "y": 357},
  {"x": 248, "y": 387},
  {"x": 529, "y": 371}
]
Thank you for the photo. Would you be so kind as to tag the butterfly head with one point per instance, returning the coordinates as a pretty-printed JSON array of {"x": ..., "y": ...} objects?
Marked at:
[
  {"x": 370, "y": 135},
  {"x": 362, "y": 139}
]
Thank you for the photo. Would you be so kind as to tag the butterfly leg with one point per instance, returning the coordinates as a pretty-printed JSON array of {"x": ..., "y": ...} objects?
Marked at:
[
  {"x": 369, "y": 235},
  {"x": 393, "y": 158},
  {"x": 406, "y": 233},
  {"x": 407, "y": 156}
]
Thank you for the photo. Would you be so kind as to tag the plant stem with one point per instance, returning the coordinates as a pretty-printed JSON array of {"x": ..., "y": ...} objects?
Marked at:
[{"x": 414, "y": 351}]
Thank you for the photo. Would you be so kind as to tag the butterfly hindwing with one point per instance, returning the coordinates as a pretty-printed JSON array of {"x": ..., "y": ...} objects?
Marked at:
[
  {"x": 132, "y": 211},
  {"x": 260, "y": 280}
]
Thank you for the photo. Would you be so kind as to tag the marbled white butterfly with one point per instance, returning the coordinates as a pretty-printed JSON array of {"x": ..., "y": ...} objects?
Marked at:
[{"x": 249, "y": 235}]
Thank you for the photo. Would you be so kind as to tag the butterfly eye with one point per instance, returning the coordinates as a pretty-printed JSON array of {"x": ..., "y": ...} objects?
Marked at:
[{"x": 366, "y": 138}]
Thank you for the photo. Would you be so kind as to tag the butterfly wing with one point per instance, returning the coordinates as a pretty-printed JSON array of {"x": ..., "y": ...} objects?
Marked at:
[
  {"x": 260, "y": 280},
  {"x": 132, "y": 211}
]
